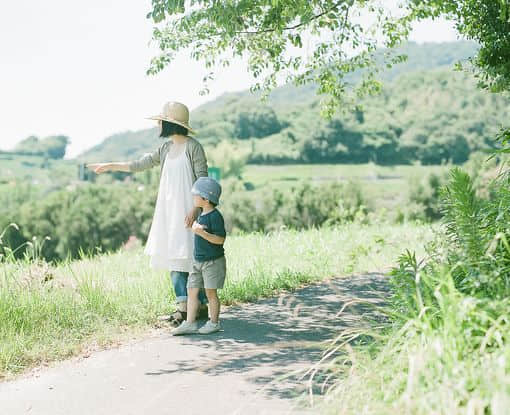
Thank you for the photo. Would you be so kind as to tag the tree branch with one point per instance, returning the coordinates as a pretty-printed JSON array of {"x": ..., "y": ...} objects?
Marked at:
[{"x": 315, "y": 17}]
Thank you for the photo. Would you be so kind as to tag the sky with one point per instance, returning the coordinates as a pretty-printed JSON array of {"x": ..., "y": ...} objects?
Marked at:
[{"x": 79, "y": 69}]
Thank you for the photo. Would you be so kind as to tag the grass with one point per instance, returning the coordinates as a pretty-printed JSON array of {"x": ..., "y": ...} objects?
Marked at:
[
  {"x": 447, "y": 350},
  {"x": 450, "y": 359},
  {"x": 260, "y": 174},
  {"x": 49, "y": 313},
  {"x": 386, "y": 184}
]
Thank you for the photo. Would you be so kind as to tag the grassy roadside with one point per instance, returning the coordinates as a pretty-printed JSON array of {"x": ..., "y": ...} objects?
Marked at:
[
  {"x": 447, "y": 350},
  {"x": 453, "y": 358},
  {"x": 49, "y": 313},
  {"x": 421, "y": 369}
]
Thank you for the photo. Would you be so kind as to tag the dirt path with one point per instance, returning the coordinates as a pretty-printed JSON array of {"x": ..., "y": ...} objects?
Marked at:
[{"x": 238, "y": 371}]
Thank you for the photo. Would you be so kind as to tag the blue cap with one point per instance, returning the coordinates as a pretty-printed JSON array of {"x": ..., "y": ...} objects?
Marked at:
[{"x": 208, "y": 188}]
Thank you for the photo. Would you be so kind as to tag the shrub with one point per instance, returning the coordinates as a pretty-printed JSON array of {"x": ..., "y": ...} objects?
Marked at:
[
  {"x": 229, "y": 157},
  {"x": 424, "y": 197},
  {"x": 83, "y": 219},
  {"x": 97, "y": 217},
  {"x": 301, "y": 207},
  {"x": 474, "y": 248}
]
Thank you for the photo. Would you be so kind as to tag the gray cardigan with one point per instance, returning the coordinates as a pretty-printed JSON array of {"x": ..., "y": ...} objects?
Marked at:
[{"x": 194, "y": 151}]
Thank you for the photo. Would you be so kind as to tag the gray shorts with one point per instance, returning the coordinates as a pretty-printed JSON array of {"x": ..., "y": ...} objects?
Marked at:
[{"x": 208, "y": 274}]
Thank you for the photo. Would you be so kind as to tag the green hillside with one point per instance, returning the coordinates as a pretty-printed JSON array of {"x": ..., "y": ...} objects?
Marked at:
[
  {"x": 123, "y": 146},
  {"x": 426, "y": 112}
]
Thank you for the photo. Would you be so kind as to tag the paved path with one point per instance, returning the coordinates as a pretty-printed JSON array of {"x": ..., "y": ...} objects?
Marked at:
[{"x": 242, "y": 370}]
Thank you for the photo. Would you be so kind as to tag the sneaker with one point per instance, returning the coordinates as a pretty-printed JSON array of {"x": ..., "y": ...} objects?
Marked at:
[
  {"x": 185, "y": 328},
  {"x": 209, "y": 328}
]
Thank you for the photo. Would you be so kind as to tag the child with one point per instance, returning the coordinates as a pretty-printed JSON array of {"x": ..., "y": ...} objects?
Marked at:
[{"x": 209, "y": 265}]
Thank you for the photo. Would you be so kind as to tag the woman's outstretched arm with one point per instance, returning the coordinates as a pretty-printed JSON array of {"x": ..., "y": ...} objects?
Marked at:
[
  {"x": 147, "y": 161},
  {"x": 99, "y": 168}
]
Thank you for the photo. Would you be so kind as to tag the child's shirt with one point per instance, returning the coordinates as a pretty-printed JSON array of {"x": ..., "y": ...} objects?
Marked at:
[{"x": 213, "y": 223}]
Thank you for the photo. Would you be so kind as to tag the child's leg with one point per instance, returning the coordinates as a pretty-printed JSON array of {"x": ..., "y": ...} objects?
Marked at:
[
  {"x": 214, "y": 304},
  {"x": 193, "y": 303}
]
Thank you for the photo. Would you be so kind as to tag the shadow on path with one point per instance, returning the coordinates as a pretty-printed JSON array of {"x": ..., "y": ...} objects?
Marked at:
[{"x": 269, "y": 340}]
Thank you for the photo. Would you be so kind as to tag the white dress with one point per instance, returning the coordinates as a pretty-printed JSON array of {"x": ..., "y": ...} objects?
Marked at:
[{"x": 170, "y": 243}]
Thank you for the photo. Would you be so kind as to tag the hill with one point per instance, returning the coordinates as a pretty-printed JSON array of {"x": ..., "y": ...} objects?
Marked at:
[{"x": 426, "y": 112}]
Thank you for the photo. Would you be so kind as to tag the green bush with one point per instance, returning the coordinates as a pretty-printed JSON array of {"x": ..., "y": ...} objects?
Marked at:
[
  {"x": 452, "y": 310},
  {"x": 82, "y": 219},
  {"x": 53, "y": 147},
  {"x": 229, "y": 158},
  {"x": 12, "y": 196},
  {"x": 474, "y": 249},
  {"x": 425, "y": 198},
  {"x": 96, "y": 217},
  {"x": 302, "y": 207}
]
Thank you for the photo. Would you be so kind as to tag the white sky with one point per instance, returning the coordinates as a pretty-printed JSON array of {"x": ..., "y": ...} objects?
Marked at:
[{"x": 78, "y": 69}]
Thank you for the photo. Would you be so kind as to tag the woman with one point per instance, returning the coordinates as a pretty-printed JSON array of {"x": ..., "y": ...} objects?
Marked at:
[{"x": 183, "y": 161}]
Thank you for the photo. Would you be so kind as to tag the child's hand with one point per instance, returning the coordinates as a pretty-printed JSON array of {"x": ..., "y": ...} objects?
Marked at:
[
  {"x": 191, "y": 217},
  {"x": 197, "y": 228}
]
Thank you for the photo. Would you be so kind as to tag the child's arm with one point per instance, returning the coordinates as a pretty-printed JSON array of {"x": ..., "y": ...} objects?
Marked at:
[{"x": 200, "y": 231}]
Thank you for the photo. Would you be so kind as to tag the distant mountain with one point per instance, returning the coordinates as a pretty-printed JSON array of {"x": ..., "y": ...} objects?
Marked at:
[
  {"x": 122, "y": 146},
  {"x": 279, "y": 130}
]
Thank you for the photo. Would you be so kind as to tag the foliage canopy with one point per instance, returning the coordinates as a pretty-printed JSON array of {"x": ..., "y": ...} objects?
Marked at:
[
  {"x": 53, "y": 147},
  {"x": 339, "y": 37},
  {"x": 485, "y": 21},
  {"x": 271, "y": 34}
]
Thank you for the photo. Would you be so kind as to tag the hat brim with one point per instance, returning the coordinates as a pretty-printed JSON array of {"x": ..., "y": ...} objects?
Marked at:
[{"x": 163, "y": 118}]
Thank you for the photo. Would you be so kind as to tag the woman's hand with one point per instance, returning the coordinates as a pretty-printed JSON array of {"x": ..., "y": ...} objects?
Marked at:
[
  {"x": 99, "y": 168},
  {"x": 191, "y": 217}
]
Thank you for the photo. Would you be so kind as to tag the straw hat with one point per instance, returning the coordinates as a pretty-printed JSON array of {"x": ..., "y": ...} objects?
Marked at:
[{"x": 176, "y": 113}]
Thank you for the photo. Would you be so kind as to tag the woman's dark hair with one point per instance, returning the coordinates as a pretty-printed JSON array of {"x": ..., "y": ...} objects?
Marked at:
[{"x": 169, "y": 128}]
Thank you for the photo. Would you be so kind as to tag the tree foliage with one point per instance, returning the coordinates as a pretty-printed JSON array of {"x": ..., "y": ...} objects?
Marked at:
[
  {"x": 431, "y": 117},
  {"x": 485, "y": 21},
  {"x": 53, "y": 147},
  {"x": 270, "y": 36},
  {"x": 425, "y": 112},
  {"x": 259, "y": 122},
  {"x": 340, "y": 36},
  {"x": 100, "y": 218}
]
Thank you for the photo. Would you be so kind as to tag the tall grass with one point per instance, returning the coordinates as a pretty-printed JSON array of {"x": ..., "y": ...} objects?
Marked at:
[
  {"x": 51, "y": 312},
  {"x": 448, "y": 350},
  {"x": 455, "y": 361}
]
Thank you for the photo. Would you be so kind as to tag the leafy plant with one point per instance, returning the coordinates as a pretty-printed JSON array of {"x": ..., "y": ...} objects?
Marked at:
[{"x": 229, "y": 158}]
